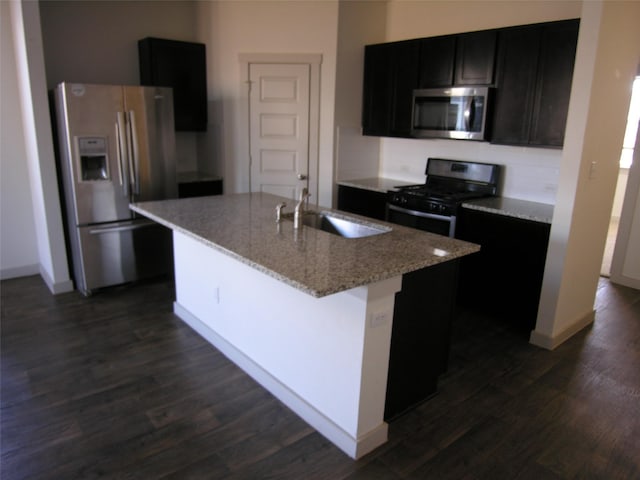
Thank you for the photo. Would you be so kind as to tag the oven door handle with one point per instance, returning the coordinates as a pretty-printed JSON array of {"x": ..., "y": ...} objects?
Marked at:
[{"x": 420, "y": 214}]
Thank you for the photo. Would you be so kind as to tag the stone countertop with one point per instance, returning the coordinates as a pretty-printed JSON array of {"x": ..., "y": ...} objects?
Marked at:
[
  {"x": 376, "y": 184},
  {"x": 318, "y": 263},
  {"x": 512, "y": 207}
]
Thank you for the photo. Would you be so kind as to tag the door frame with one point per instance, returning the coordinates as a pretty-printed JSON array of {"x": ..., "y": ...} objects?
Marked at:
[{"x": 314, "y": 61}]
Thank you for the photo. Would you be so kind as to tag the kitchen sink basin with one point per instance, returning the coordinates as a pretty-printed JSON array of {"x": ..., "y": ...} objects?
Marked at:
[{"x": 342, "y": 226}]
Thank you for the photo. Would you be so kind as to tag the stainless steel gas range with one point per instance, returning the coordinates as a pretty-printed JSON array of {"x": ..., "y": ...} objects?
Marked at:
[{"x": 433, "y": 206}]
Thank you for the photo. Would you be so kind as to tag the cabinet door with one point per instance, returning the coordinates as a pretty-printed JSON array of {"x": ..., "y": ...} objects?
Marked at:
[
  {"x": 535, "y": 69},
  {"x": 376, "y": 104},
  {"x": 516, "y": 79},
  {"x": 182, "y": 66},
  {"x": 504, "y": 279},
  {"x": 362, "y": 202},
  {"x": 555, "y": 73},
  {"x": 475, "y": 58},
  {"x": 390, "y": 75},
  {"x": 437, "y": 56},
  {"x": 405, "y": 57}
]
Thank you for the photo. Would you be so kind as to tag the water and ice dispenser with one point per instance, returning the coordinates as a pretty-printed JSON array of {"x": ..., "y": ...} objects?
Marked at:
[{"x": 93, "y": 158}]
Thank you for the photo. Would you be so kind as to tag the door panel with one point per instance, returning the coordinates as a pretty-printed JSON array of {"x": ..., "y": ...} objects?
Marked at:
[
  {"x": 279, "y": 128},
  {"x": 92, "y": 163},
  {"x": 149, "y": 114},
  {"x": 123, "y": 252}
]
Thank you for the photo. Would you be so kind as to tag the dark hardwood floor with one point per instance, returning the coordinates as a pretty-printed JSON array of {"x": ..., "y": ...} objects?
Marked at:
[{"x": 115, "y": 386}]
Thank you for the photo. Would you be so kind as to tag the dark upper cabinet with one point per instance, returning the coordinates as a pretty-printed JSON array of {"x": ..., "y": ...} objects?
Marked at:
[
  {"x": 182, "y": 66},
  {"x": 437, "y": 58},
  {"x": 535, "y": 68},
  {"x": 516, "y": 80},
  {"x": 390, "y": 75},
  {"x": 376, "y": 98},
  {"x": 404, "y": 65},
  {"x": 555, "y": 73},
  {"x": 475, "y": 58},
  {"x": 532, "y": 66},
  {"x": 465, "y": 59}
]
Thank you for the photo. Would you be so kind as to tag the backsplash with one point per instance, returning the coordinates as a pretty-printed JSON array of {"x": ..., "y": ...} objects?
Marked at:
[{"x": 528, "y": 173}]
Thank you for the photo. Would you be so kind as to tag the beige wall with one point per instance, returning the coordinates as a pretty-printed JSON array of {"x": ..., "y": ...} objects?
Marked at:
[
  {"x": 231, "y": 29},
  {"x": 529, "y": 173},
  {"x": 36, "y": 138},
  {"x": 428, "y": 18},
  {"x": 359, "y": 24},
  {"x": 97, "y": 42},
  {"x": 606, "y": 63},
  {"x": 18, "y": 247}
]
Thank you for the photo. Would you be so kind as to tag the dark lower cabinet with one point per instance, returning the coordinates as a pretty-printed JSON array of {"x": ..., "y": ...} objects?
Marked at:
[
  {"x": 362, "y": 202},
  {"x": 503, "y": 279},
  {"x": 200, "y": 188},
  {"x": 421, "y": 336}
]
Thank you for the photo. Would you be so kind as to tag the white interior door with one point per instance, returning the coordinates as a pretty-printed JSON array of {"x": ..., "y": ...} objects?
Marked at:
[{"x": 279, "y": 127}]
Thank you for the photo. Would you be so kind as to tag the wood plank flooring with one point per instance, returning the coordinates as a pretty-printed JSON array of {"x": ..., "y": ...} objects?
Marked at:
[{"x": 115, "y": 386}]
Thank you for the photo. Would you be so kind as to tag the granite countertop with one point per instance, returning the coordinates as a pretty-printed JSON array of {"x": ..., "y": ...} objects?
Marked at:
[
  {"x": 243, "y": 226},
  {"x": 377, "y": 184},
  {"x": 512, "y": 207}
]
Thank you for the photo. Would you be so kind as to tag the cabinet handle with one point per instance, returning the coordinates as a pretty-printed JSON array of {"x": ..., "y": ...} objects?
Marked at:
[{"x": 302, "y": 176}]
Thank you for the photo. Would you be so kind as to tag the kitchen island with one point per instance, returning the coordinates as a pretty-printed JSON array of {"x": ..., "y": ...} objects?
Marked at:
[{"x": 306, "y": 313}]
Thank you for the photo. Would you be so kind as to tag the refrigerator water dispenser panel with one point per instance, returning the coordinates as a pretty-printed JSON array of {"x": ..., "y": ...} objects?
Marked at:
[{"x": 93, "y": 158}]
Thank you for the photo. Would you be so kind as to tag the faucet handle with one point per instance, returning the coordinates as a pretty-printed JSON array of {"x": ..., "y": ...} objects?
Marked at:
[{"x": 279, "y": 208}]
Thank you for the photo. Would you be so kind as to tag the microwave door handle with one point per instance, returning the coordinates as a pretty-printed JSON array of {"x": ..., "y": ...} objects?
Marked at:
[
  {"x": 469, "y": 113},
  {"x": 121, "y": 154}
]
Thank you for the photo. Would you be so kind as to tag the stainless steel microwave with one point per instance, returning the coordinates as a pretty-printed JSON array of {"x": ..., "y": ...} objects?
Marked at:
[{"x": 455, "y": 112}]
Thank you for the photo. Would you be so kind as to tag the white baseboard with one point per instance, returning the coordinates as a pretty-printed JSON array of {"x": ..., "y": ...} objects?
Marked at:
[
  {"x": 56, "y": 287},
  {"x": 354, "y": 447},
  {"x": 551, "y": 342},
  {"x": 16, "y": 272}
]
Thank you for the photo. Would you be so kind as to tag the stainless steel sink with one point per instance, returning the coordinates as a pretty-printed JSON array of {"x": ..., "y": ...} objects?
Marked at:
[{"x": 342, "y": 226}]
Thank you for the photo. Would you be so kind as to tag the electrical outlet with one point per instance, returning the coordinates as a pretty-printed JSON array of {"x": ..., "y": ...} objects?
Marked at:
[{"x": 377, "y": 319}]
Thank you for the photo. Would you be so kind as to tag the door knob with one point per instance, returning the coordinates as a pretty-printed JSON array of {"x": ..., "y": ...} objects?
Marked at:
[{"x": 302, "y": 176}]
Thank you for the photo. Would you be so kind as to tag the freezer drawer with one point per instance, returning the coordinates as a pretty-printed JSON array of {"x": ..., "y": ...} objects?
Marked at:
[{"x": 121, "y": 252}]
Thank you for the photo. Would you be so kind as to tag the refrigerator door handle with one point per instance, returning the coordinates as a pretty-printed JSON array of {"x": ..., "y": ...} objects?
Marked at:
[
  {"x": 135, "y": 166},
  {"x": 122, "y": 228},
  {"x": 129, "y": 153},
  {"x": 120, "y": 153}
]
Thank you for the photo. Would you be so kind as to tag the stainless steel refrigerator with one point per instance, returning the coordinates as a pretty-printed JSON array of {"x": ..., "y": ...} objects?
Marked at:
[{"x": 117, "y": 145}]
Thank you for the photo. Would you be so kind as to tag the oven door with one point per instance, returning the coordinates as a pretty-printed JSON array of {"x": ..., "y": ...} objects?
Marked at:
[{"x": 429, "y": 222}]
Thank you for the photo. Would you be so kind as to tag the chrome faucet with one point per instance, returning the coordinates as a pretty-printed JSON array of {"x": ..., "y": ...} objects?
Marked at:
[
  {"x": 279, "y": 208},
  {"x": 298, "y": 212}
]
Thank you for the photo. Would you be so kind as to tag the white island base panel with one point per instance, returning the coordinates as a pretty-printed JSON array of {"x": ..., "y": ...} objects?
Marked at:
[{"x": 325, "y": 358}]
